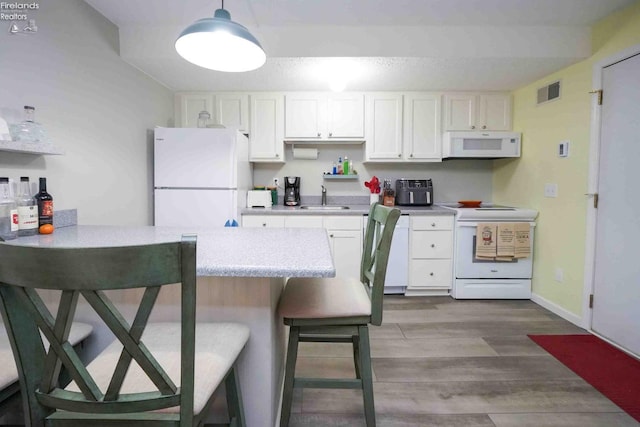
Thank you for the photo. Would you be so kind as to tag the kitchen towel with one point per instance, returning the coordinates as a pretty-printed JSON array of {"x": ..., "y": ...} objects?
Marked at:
[
  {"x": 506, "y": 247},
  {"x": 522, "y": 244},
  {"x": 486, "y": 240}
]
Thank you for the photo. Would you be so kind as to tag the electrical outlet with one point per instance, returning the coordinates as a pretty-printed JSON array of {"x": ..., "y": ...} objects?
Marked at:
[
  {"x": 559, "y": 275},
  {"x": 551, "y": 190}
]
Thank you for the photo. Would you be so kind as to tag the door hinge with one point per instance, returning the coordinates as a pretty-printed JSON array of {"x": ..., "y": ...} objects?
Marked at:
[
  {"x": 595, "y": 198},
  {"x": 591, "y": 301},
  {"x": 599, "y": 92}
]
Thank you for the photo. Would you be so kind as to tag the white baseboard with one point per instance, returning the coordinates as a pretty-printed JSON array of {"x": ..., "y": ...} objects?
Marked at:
[{"x": 556, "y": 309}]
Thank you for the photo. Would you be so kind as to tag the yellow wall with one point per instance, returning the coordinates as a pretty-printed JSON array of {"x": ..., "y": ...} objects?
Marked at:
[{"x": 560, "y": 233}]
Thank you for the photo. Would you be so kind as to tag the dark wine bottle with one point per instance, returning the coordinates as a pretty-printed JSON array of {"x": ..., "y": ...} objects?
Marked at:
[{"x": 45, "y": 204}]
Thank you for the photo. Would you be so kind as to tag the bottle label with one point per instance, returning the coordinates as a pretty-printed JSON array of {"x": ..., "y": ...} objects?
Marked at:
[
  {"x": 46, "y": 212},
  {"x": 14, "y": 220},
  {"x": 47, "y": 208},
  {"x": 27, "y": 217}
]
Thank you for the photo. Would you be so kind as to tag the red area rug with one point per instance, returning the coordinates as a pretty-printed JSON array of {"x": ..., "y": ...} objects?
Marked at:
[{"x": 611, "y": 371}]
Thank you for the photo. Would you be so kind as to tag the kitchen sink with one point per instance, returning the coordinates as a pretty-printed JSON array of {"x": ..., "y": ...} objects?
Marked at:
[{"x": 324, "y": 208}]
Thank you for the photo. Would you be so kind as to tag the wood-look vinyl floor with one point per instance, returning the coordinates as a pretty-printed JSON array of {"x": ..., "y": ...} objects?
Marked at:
[{"x": 444, "y": 362}]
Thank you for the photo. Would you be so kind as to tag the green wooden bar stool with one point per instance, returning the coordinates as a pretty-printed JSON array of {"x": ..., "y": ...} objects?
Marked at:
[
  {"x": 339, "y": 310},
  {"x": 177, "y": 366}
]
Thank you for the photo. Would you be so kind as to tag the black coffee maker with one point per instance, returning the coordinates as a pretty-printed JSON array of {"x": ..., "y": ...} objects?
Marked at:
[{"x": 292, "y": 190}]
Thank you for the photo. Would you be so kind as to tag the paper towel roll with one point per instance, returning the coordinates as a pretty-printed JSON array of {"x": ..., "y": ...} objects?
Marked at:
[{"x": 305, "y": 153}]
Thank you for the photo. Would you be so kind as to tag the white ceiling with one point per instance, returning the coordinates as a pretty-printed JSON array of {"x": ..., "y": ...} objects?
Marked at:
[{"x": 381, "y": 45}]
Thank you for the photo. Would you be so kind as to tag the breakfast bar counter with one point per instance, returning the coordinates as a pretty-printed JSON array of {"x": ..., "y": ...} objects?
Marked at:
[{"x": 241, "y": 273}]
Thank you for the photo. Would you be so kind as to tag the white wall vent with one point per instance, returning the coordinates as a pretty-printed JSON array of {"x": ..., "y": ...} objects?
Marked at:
[{"x": 549, "y": 92}]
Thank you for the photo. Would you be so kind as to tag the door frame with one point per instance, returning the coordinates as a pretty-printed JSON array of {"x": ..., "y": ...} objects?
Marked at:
[{"x": 594, "y": 161}]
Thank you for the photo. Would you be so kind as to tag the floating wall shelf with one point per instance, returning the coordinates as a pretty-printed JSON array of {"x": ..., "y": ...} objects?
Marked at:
[
  {"x": 341, "y": 177},
  {"x": 30, "y": 147}
]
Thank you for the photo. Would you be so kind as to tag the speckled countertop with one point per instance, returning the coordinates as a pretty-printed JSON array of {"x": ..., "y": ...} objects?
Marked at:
[
  {"x": 233, "y": 251},
  {"x": 353, "y": 210}
]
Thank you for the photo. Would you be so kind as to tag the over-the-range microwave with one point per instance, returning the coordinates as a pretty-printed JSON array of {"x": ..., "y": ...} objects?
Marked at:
[{"x": 479, "y": 145}]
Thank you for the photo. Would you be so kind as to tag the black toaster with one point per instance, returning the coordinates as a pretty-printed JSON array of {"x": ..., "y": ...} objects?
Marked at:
[{"x": 414, "y": 192}]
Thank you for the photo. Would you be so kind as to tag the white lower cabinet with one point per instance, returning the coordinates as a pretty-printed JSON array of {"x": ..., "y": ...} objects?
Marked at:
[
  {"x": 430, "y": 255},
  {"x": 266, "y": 221},
  {"x": 344, "y": 232},
  {"x": 345, "y": 238}
]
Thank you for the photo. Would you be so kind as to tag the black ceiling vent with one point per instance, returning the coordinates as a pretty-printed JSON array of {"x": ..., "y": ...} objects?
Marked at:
[{"x": 549, "y": 92}]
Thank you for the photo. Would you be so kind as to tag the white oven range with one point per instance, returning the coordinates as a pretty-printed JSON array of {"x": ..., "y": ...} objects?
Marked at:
[{"x": 489, "y": 279}]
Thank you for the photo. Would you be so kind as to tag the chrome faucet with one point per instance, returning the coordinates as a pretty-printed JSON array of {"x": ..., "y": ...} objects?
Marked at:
[{"x": 324, "y": 195}]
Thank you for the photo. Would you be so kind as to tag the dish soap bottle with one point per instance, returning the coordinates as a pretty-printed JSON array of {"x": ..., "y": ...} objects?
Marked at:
[
  {"x": 8, "y": 212},
  {"x": 346, "y": 166}
]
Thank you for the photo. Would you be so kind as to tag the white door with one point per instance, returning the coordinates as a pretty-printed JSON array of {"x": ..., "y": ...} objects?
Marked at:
[{"x": 616, "y": 302}]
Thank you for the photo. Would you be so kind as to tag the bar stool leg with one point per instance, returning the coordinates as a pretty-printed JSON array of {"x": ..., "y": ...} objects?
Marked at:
[
  {"x": 365, "y": 373},
  {"x": 289, "y": 375}
]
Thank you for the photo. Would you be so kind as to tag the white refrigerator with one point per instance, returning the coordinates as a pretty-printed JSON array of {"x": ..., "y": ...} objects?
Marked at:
[{"x": 201, "y": 176}]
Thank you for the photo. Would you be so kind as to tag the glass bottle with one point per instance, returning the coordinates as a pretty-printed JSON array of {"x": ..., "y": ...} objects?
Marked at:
[
  {"x": 28, "y": 130},
  {"x": 340, "y": 170},
  {"x": 27, "y": 209},
  {"x": 8, "y": 212},
  {"x": 346, "y": 166},
  {"x": 45, "y": 204}
]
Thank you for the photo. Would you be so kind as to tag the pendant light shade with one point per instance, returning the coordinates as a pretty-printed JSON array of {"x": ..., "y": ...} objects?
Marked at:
[{"x": 220, "y": 44}]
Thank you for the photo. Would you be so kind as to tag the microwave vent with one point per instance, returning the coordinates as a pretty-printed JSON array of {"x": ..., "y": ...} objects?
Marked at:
[{"x": 549, "y": 92}]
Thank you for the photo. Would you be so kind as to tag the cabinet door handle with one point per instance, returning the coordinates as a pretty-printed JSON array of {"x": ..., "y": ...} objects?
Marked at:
[
  {"x": 330, "y": 133},
  {"x": 331, "y": 235},
  {"x": 410, "y": 155},
  {"x": 433, "y": 224},
  {"x": 319, "y": 134},
  {"x": 264, "y": 224},
  {"x": 473, "y": 127},
  {"x": 431, "y": 274},
  {"x": 399, "y": 155},
  {"x": 277, "y": 155},
  {"x": 433, "y": 245},
  {"x": 484, "y": 127}
]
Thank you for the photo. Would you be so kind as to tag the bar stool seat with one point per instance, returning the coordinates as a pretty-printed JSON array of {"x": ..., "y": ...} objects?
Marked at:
[{"x": 319, "y": 298}]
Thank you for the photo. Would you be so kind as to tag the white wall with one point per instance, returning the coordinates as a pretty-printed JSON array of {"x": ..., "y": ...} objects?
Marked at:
[
  {"x": 97, "y": 108},
  {"x": 453, "y": 180}
]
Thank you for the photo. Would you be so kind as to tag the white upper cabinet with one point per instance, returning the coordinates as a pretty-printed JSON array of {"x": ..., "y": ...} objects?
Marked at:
[
  {"x": 422, "y": 127},
  {"x": 232, "y": 110},
  {"x": 383, "y": 126},
  {"x": 324, "y": 116},
  {"x": 226, "y": 108},
  {"x": 189, "y": 105},
  {"x": 267, "y": 127},
  {"x": 477, "y": 111},
  {"x": 495, "y": 111}
]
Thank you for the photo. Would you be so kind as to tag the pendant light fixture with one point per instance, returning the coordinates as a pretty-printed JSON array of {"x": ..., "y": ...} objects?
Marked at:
[{"x": 220, "y": 44}]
